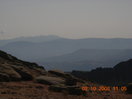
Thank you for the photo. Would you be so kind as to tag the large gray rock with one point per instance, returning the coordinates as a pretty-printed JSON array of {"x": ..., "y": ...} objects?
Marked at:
[
  {"x": 57, "y": 73},
  {"x": 7, "y": 73},
  {"x": 50, "y": 80},
  {"x": 70, "y": 79}
]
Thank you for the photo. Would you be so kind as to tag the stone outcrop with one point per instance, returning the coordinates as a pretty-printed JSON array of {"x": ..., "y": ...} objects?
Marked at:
[
  {"x": 50, "y": 80},
  {"x": 13, "y": 69}
]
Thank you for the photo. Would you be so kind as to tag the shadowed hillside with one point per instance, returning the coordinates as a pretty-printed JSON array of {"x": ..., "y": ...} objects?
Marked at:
[
  {"x": 13, "y": 69},
  {"x": 118, "y": 75}
]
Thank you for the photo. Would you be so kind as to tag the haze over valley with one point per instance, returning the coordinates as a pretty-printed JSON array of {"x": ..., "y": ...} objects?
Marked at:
[{"x": 66, "y": 54}]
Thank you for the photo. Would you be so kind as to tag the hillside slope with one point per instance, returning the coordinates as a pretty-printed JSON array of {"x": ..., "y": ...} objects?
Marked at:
[
  {"x": 13, "y": 69},
  {"x": 120, "y": 74},
  {"x": 25, "y": 80}
]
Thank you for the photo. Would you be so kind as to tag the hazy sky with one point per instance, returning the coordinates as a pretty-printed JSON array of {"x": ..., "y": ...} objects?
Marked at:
[{"x": 66, "y": 18}]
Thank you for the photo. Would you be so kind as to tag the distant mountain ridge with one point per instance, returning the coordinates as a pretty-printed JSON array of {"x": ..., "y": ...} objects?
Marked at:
[
  {"x": 33, "y": 39},
  {"x": 92, "y": 54},
  {"x": 87, "y": 59},
  {"x": 69, "y": 50}
]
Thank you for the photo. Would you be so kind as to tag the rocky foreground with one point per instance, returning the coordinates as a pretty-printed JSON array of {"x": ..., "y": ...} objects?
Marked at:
[
  {"x": 30, "y": 90},
  {"x": 25, "y": 80}
]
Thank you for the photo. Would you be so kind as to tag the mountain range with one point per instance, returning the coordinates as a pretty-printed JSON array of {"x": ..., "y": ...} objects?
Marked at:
[
  {"x": 69, "y": 54},
  {"x": 87, "y": 59}
]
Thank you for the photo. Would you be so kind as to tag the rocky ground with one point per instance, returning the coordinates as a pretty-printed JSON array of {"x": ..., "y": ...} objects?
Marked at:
[
  {"x": 31, "y": 90},
  {"x": 24, "y": 80}
]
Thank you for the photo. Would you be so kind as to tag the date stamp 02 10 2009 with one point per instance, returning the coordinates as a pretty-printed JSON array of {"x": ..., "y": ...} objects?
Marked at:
[{"x": 104, "y": 88}]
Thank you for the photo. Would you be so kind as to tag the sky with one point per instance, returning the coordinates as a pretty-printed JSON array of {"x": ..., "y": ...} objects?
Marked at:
[{"x": 66, "y": 18}]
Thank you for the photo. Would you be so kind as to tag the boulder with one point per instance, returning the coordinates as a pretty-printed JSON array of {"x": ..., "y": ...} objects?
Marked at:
[
  {"x": 70, "y": 79},
  {"x": 8, "y": 73},
  {"x": 25, "y": 74},
  {"x": 57, "y": 73},
  {"x": 4, "y": 77},
  {"x": 49, "y": 80}
]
